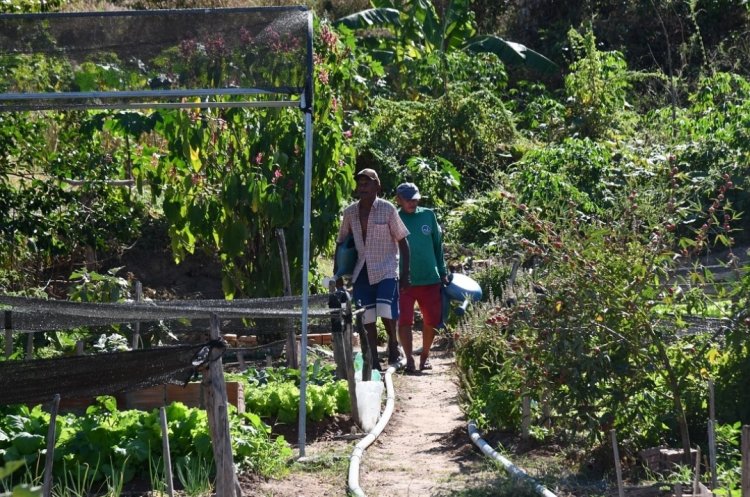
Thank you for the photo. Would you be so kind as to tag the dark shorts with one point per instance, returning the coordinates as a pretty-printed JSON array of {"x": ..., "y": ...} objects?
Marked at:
[
  {"x": 430, "y": 304},
  {"x": 380, "y": 299}
]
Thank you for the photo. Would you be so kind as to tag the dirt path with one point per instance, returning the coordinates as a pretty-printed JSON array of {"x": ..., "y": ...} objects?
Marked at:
[{"x": 423, "y": 451}]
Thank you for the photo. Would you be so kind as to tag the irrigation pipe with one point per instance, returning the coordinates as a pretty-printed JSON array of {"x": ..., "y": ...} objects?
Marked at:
[
  {"x": 514, "y": 470},
  {"x": 359, "y": 449}
]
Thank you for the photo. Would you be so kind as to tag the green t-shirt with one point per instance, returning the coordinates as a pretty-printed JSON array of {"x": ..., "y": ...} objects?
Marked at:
[{"x": 427, "y": 265}]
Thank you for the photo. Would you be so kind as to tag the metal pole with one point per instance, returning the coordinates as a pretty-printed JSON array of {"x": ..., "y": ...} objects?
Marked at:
[{"x": 307, "y": 106}]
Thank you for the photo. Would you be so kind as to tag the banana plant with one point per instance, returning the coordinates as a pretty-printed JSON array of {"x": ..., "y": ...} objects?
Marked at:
[{"x": 419, "y": 32}]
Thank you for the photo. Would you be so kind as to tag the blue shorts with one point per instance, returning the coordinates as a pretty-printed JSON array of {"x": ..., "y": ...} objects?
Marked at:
[{"x": 380, "y": 299}]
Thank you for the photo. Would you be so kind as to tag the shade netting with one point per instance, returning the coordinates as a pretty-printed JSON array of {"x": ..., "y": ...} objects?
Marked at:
[{"x": 111, "y": 59}]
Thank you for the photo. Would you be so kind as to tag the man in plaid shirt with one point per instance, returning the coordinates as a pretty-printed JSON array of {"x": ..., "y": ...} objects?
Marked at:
[{"x": 379, "y": 237}]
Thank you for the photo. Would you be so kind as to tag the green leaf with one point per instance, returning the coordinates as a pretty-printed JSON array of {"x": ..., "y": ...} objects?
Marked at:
[
  {"x": 234, "y": 238},
  {"x": 25, "y": 490},
  {"x": 512, "y": 53},
  {"x": 370, "y": 18},
  {"x": 10, "y": 467}
]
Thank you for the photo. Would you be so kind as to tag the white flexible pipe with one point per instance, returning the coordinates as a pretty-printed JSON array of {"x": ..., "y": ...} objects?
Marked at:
[
  {"x": 359, "y": 449},
  {"x": 514, "y": 470}
]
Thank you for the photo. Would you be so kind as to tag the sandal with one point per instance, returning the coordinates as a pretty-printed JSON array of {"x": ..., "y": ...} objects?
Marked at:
[{"x": 425, "y": 365}]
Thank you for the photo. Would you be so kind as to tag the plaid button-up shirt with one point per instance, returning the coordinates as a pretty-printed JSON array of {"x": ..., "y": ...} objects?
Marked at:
[{"x": 380, "y": 250}]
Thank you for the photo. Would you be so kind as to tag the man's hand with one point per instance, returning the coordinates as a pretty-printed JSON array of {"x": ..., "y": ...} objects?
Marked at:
[{"x": 404, "y": 279}]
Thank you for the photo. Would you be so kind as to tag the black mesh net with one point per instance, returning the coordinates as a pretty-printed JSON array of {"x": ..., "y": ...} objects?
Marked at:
[
  {"x": 99, "y": 59},
  {"x": 112, "y": 373},
  {"x": 28, "y": 314},
  {"x": 32, "y": 382}
]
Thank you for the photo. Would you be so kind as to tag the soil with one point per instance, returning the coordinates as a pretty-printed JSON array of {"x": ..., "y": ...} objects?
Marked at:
[{"x": 424, "y": 449}]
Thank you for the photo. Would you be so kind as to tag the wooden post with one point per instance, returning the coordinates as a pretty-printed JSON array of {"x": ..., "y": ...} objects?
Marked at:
[
  {"x": 8, "y": 334},
  {"x": 697, "y": 472},
  {"x": 29, "y": 346},
  {"x": 227, "y": 484},
  {"x": 525, "y": 417},
  {"x": 79, "y": 347},
  {"x": 349, "y": 359},
  {"x": 337, "y": 330},
  {"x": 746, "y": 461},
  {"x": 241, "y": 360},
  {"x": 618, "y": 465},
  {"x": 291, "y": 335},
  {"x": 165, "y": 451},
  {"x": 364, "y": 346},
  {"x": 137, "y": 324},
  {"x": 49, "y": 457},
  {"x": 678, "y": 490},
  {"x": 712, "y": 435}
]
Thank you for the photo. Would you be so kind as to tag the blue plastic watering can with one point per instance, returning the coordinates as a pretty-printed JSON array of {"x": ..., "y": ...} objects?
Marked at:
[{"x": 460, "y": 289}]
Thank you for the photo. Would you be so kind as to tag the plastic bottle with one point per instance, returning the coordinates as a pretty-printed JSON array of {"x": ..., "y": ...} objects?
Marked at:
[{"x": 358, "y": 363}]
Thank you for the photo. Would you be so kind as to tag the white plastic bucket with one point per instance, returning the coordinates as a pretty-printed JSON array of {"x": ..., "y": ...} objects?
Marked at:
[{"x": 369, "y": 395}]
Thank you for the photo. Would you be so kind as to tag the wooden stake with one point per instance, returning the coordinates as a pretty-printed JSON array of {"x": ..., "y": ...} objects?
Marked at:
[
  {"x": 746, "y": 461},
  {"x": 525, "y": 417},
  {"x": 364, "y": 346},
  {"x": 165, "y": 451},
  {"x": 49, "y": 458},
  {"x": 618, "y": 465},
  {"x": 8, "y": 334},
  {"x": 29, "y": 346},
  {"x": 137, "y": 324},
  {"x": 227, "y": 484},
  {"x": 337, "y": 330},
  {"x": 712, "y": 435},
  {"x": 697, "y": 472},
  {"x": 349, "y": 360},
  {"x": 291, "y": 336}
]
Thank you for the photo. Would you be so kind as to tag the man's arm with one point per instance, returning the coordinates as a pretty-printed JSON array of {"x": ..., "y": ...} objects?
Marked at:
[
  {"x": 437, "y": 244},
  {"x": 405, "y": 276}
]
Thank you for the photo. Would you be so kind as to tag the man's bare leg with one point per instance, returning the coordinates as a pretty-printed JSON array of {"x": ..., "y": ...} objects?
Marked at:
[
  {"x": 405, "y": 336},
  {"x": 372, "y": 342},
  {"x": 391, "y": 328},
  {"x": 428, "y": 335}
]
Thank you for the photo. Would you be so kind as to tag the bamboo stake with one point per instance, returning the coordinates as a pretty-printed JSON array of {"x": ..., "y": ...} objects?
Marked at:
[
  {"x": 165, "y": 451},
  {"x": 618, "y": 465},
  {"x": 49, "y": 458}
]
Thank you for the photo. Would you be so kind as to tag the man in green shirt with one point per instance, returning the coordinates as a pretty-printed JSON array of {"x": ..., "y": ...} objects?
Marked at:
[{"x": 427, "y": 270}]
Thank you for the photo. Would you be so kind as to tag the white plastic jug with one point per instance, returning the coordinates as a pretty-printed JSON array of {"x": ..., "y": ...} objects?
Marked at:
[{"x": 369, "y": 394}]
